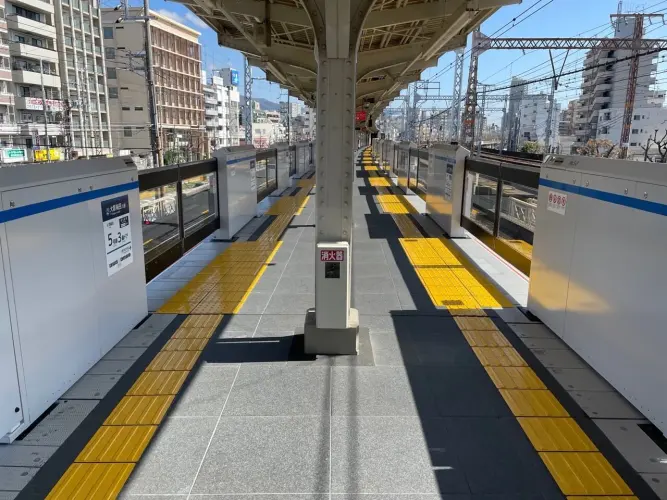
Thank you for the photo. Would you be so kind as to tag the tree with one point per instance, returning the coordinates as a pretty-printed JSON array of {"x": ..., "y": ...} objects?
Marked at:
[
  {"x": 600, "y": 148},
  {"x": 530, "y": 147},
  {"x": 661, "y": 146}
]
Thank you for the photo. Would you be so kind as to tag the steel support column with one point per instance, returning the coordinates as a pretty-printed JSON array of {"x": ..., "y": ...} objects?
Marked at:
[{"x": 333, "y": 327}]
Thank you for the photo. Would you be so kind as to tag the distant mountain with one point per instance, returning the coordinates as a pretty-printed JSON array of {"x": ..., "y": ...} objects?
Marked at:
[{"x": 264, "y": 104}]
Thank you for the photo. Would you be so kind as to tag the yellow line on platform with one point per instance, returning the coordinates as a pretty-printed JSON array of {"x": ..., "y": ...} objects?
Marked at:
[
  {"x": 453, "y": 282},
  {"x": 105, "y": 464}
]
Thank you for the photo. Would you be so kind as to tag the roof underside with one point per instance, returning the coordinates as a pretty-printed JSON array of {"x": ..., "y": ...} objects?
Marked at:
[{"x": 400, "y": 39}]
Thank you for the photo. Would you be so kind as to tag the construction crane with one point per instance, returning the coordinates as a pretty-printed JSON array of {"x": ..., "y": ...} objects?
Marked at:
[{"x": 638, "y": 46}]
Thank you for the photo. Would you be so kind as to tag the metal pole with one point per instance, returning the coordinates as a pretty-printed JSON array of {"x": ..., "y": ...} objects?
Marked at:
[
  {"x": 502, "y": 127},
  {"x": 46, "y": 122},
  {"x": 456, "y": 98},
  {"x": 468, "y": 128},
  {"x": 247, "y": 111},
  {"x": 481, "y": 120},
  {"x": 289, "y": 137},
  {"x": 152, "y": 101}
]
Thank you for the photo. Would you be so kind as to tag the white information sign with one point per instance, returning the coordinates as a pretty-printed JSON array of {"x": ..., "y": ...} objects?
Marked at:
[
  {"x": 117, "y": 233},
  {"x": 557, "y": 202}
]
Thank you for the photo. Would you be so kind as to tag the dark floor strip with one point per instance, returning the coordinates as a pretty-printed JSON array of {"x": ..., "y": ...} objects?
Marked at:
[{"x": 262, "y": 227}]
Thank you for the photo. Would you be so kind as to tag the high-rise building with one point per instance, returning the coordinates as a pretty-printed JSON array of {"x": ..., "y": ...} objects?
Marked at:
[
  {"x": 599, "y": 111},
  {"x": 54, "y": 99},
  {"x": 221, "y": 102},
  {"x": 534, "y": 118},
  {"x": 513, "y": 117},
  {"x": 178, "y": 87},
  {"x": 36, "y": 82},
  {"x": 86, "y": 123},
  {"x": 293, "y": 107}
]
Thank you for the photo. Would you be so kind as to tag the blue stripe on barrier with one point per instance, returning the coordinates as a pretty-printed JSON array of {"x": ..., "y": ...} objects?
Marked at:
[
  {"x": 616, "y": 199},
  {"x": 46, "y": 206},
  {"x": 239, "y": 160}
]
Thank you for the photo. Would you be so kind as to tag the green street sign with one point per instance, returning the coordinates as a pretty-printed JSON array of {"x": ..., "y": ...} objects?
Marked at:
[{"x": 14, "y": 153}]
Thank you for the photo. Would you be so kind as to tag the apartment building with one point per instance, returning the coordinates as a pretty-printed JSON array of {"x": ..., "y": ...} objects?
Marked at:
[
  {"x": 35, "y": 86},
  {"x": 533, "y": 113},
  {"x": 599, "y": 111},
  {"x": 86, "y": 118},
  {"x": 221, "y": 102},
  {"x": 52, "y": 81},
  {"x": 179, "y": 94}
]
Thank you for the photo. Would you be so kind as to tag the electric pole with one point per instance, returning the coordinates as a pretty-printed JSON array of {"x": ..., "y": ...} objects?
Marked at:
[
  {"x": 456, "y": 101},
  {"x": 150, "y": 76},
  {"x": 247, "y": 111}
]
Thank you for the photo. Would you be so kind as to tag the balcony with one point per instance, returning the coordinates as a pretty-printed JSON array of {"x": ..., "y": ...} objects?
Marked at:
[
  {"x": 210, "y": 112},
  {"x": 581, "y": 119},
  {"x": 36, "y": 128},
  {"x": 5, "y": 74},
  {"x": 6, "y": 98},
  {"x": 600, "y": 100},
  {"x": 35, "y": 78},
  {"x": 33, "y": 52},
  {"x": 35, "y": 104},
  {"x": 9, "y": 128},
  {"x": 37, "y": 5},
  {"x": 20, "y": 23},
  {"x": 581, "y": 132},
  {"x": 602, "y": 87}
]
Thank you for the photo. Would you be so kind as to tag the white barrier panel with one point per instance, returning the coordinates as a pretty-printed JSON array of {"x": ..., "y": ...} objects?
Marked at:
[
  {"x": 402, "y": 166},
  {"x": 598, "y": 277},
  {"x": 237, "y": 188},
  {"x": 444, "y": 197},
  {"x": 72, "y": 279},
  {"x": 283, "y": 165}
]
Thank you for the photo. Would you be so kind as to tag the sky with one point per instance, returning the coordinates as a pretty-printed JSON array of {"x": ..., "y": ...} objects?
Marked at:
[{"x": 534, "y": 18}]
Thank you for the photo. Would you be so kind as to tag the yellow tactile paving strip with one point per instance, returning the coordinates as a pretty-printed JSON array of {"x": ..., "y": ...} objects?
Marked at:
[
  {"x": 85, "y": 481},
  {"x": 452, "y": 282},
  {"x": 102, "y": 468},
  {"x": 223, "y": 286}
]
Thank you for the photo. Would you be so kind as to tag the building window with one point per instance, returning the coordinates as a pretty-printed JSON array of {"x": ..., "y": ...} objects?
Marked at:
[
  {"x": 111, "y": 73},
  {"x": 635, "y": 131},
  {"x": 633, "y": 144},
  {"x": 127, "y": 131},
  {"x": 27, "y": 13},
  {"x": 108, "y": 33},
  {"x": 636, "y": 117},
  {"x": 607, "y": 116},
  {"x": 24, "y": 91},
  {"x": 138, "y": 108},
  {"x": 110, "y": 52},
  {"x": 126, "y": 108},
  {"x": 113, "y": 92}
]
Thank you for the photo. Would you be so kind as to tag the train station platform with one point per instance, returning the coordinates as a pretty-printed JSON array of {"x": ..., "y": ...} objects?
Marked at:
[{"x": 455, "y": 393}]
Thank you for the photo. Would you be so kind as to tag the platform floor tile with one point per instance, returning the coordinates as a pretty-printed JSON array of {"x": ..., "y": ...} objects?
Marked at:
[
  {"x": 533, "y": 403},
  {"x": 87, "y": 481},
  {"x": 556, "y": 434},
  {"x": 140, "y": 410},
  {"x": 117, "y": 444},
  {"x": 584, "y": 474}
]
